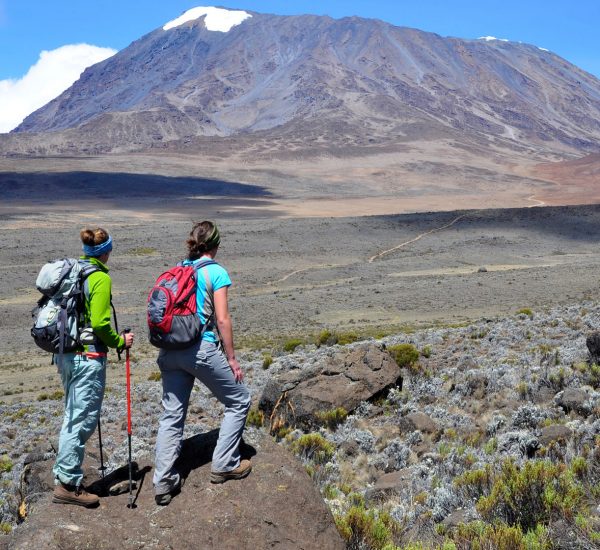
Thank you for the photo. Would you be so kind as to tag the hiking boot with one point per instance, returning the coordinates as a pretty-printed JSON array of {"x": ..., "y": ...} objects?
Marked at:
[
  {"x": 71, "y": 494},
  {"x": 240, "y": 472},
  {"x": 165, "y": 498}
]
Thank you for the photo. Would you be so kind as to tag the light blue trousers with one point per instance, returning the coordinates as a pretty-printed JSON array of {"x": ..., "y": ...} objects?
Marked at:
[
  {"x": 179, "y": 369},
  {"x": 83, "y": 380}
]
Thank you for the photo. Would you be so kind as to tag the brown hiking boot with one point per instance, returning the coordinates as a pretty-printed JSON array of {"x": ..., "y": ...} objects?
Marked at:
[
  {"x": 240, "y": 472},
  {"x": 70, "y": 494}
]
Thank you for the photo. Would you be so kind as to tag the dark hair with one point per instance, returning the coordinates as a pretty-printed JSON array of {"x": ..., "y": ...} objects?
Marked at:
[
  {"x": 199, "y": 235},
  {"x": 93, "y": 237}
]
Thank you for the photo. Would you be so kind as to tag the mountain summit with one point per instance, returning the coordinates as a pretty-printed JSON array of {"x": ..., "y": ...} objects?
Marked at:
[{"x": 318, "y": 82}]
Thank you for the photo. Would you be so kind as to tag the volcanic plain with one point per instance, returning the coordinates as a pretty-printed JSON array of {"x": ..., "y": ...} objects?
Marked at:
[{"x": 292, "y": 276}]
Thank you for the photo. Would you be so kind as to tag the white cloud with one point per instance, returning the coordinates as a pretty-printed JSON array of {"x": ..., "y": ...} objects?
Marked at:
[
  {"x": 217, "y": 19},
  {"x": 53, "y": 73}
]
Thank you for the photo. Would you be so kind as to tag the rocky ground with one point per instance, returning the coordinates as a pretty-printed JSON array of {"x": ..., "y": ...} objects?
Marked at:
[
  {"x": 422, "y": 462},
  {"x": 294, "y": 277},
  {"x": 483, "y": 384}
]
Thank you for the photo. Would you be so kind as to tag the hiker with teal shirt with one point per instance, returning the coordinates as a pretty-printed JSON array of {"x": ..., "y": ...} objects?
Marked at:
[
  {"x": 211, "y": 360},
  {"x": 83, "y": 372}
]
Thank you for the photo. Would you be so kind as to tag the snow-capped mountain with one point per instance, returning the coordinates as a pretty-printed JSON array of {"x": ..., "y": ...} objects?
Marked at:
[{"x": 318, "y": 82}]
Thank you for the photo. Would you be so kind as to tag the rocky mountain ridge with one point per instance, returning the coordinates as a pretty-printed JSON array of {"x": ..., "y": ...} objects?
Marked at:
[{"x": 313, "y": 81}]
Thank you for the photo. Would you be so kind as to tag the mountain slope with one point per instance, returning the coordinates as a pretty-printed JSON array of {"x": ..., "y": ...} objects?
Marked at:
[{"x": 324, "y": 82}]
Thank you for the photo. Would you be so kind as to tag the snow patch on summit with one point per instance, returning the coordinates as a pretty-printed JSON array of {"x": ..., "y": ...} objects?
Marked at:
[
  {"x": 217, "y": 19},
  {"x": 490, "y": 38}
]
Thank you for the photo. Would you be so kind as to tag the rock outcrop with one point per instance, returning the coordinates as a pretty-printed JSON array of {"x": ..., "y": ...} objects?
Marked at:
[
  {"x": 344, "y": 378},
  {"x": 277, "y": 506}
]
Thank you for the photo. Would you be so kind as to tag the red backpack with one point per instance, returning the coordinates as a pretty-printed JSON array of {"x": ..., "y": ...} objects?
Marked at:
[{"x": 173, "y": 320}]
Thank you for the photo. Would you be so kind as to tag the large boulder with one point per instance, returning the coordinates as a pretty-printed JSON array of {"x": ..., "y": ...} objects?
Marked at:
[
  {"x": 277, "y": 505},
  {"x": 593, "y": 345},
  {"x": 344, "y": 378}
]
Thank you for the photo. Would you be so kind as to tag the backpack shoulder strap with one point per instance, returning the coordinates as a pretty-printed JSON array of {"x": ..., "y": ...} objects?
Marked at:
[
  {"x": 87, "y": 268},
  {"x": 204, "y": 263}
]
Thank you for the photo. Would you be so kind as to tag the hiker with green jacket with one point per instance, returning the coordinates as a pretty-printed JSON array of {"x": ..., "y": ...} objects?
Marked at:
[{"x": 83, "y": 373}]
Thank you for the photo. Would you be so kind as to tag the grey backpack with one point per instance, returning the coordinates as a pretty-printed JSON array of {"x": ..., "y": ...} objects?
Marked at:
[{"x": 58, "y": 316}]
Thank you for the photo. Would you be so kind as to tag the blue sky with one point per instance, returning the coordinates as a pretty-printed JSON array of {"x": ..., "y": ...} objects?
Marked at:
[
  {"x": 29, "y": 27},
  {"x": 569, "y": 29}
]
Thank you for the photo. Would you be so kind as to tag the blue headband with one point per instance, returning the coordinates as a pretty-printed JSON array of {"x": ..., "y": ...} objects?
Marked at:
[{"x": 99, "y": 249}]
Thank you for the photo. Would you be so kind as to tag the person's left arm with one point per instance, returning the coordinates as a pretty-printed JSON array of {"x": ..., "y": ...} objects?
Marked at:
[{"x": 100, "y": 310}]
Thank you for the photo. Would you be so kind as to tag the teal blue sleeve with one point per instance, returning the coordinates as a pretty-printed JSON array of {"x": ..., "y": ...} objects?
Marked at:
[{"x": 219, "y": 278}]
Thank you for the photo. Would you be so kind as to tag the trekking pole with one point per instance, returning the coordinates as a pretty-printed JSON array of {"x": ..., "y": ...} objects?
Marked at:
[
  {"x": 102, "y": 466},
  {"x": 128, "y": 380}
]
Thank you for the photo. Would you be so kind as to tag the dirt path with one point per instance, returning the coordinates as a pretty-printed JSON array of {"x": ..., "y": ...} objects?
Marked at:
[
  {"x": 537, "y": 201},
  {"x": 378, "y": 255},
  {"x": 419, "y": 237},
  {"x": 310, "y": 268}
]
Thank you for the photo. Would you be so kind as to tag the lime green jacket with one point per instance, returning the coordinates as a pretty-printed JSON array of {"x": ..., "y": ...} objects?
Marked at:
[{"x": 97, "y": 305}]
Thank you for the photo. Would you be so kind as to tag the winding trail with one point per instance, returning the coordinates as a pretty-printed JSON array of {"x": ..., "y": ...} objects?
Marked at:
[
  {"x": 419, "y": 237},
  {"x": 378, "y": 255},
  {"x": 310, "y": 268},
  {"x": 533, "y": 199}
]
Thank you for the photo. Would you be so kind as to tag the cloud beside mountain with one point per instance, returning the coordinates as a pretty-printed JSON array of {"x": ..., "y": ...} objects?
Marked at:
[{"x": 51, "y": 75}]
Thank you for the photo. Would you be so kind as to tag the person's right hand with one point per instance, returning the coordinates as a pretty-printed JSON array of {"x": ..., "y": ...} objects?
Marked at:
[
  {"x": 236, "y": 369},
  {"x": 128, "y": 337}
]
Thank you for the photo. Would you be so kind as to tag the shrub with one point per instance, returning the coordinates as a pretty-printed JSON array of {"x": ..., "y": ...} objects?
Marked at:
[
  {"x": 267, "y": 360},
  {"x": 154, "y": 376},
  {"x": 491, "y": 446},
  {"x": 255, "y": 418},
  {"x": 525, "y": 311},
  {"x": 405, "y": 355},
  {"x": 54, "y": 396},
  {"x": 500, "y": 536},
  {"x": 362, "y": 528},
  {"x": 426, "y": 352},
  {"x": 313, "y": 447},
  {"x": 535, "y": 493},
  {"x": 6, "y": 464},
  {"x": 475, "y": 483},
  {"x": 326, "y": 338},
  {"x": 5, "y": 528},
  {"x": 141, "y": 251},
  {"x": 332, "y": 418},
  {"x": 292, "y": 344},
  {"x": 345, "y": 338},
  {"x": 522, "y": 389}
]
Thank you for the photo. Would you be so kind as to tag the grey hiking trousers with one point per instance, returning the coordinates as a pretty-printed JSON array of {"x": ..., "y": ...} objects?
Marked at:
[{"x": 179, "y": 369}]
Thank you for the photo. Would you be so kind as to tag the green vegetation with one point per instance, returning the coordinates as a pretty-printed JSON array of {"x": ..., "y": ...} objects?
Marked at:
[
  {"x": 21, "y": 413},
  {"x": 326, "y": 338},
  {"x": 524, "y": 497},
  {"x": 491, "y": 446},
  {"x": 405, "y": 355},
  {"x": 329, "y": 338},
  {"x": 255, "y": 418},
  {"x": 291, "y": 344},
  {"x": 522, "y": 389},
  {"x": 267, "y": 360},
  {"x": 500, "y": 536},
  {"x": 362, "y": 528},
  {"x": 5, "y": 528},
  {"x": 6, "y": 464},
  {"x": 525, "y": 311},
  {"x": 141, "y": 251},
  {"x": 332, "y": 418},
  {"x": 54, "y": 396},
  {"x": 426, "y": 352},
  {"x": 313, "y": 447},
  {"x": 155, "y": 376},
  {"x": 591, "y": 373}
]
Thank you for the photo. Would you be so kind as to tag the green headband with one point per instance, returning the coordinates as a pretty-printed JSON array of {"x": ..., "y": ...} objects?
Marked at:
[{"x": 214, "y": 240}]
